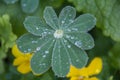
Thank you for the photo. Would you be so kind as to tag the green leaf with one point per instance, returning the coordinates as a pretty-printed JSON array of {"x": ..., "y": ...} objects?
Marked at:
[
  {"x": 83, "y": 23},
  {"x": 35, "y": 26},
  {"x": 60, "y": 59},
  {"x": 114, "y": 56},
  {"x": 81, "y": 40},
  {"x": 77, "y": 57},
  {"x": 66, "y": 16},
  {"x": 10, "y": 1},
  {"x": 51, "y": 17},
  {"x": 28, "y": 6},
  {"x": 7, "y": 38},
  {"x": 41, "y": 60},
  {"x": 107, "y": 13},
  {"x": 31, "y": 43},
  {"x": 64, "y": 52}
]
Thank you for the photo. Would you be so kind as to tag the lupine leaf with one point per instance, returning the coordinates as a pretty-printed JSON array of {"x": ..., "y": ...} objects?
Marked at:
[
  {"x": 36, "y": 26},
  {"x": 78, "y": 57},
  {"x": 66, "y": 16},
  {"x": 81, "y": 40},
  {"x": 51, "y": 17},
  {"x": 107, "y": 13},
  {"x": 60, "y": 59},
  {"x": 62, "y": 56},
  {"x": 41, "y": 60},
  {"x": 28, "y": 6},
  {"x": 28, "y": 42},
  {"x": 83, "y": 23}
]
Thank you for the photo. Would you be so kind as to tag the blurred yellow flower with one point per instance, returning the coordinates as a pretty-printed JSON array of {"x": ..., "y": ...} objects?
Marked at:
[
  {"x": 21, "y": 60},
  {"x": 85, "y": 73}
]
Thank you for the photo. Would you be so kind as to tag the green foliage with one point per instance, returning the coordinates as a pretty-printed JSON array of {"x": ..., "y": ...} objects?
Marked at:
[
  {"x": 107, "y": 14},
  {"x": 55, "y": 45},
  {"x": 7, "y": 38},
  {"x": 28, "y": 6},
  {"x": 114, "y": 56}
]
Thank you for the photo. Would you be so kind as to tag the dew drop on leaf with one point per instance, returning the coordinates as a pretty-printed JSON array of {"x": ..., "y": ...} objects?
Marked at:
[
  {"x": 46, "y": 52},
  {"x": 38, "y": 48},
  {"x": 78, "y": 43},
  {"x": 72, "y": 37},
  {"x": 69, "y": 46},
  {"x": 44, "y": 56},
  {"x": 37, "y": 28},
  {"x": 29, "y": 50},
  {"x": 67, "y": 36},
  {"x": 63, "y": 22},
  {"x": 34, "y": 41}
]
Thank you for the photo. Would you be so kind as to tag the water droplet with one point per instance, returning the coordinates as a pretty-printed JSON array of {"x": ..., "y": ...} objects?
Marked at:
[
  {"x": 25, "y": 51},
  {"x": 63, "y": 22},
  {"x": 34, "y": 42},
  {"x": 20, "y": 46},
  {"x": 71, "y": 21},
  {"x": 77, "y": 60},
  {"x": 65, "y": 41},
  {"x": 69, "y": 46},
  {"x": 37, "y": 28},
  {"x": 72, "y": 37},
  {"x": 46, "y": 52},
  {"x": 43, "y": 64},
  {"x": 67, "y": 36},
  {"x": 75, "y": 29},
  {"x": 13, "y": 2},
  {"x": 24, "y": 5},
  {"x": 38, "y": 48},
  {"x": 44, "y": 56},
  {"x": 78, "y": 43},
  {"x": 29, "y": 50}
]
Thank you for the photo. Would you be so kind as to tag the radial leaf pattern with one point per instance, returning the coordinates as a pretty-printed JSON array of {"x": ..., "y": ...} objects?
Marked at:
[{"x": 58, "y": 43}]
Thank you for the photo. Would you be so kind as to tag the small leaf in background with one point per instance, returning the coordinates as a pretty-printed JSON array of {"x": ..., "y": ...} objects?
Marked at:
[
  {"x": 10, "y": 1},
  {"x": 7, "y": 38},
  {"x": 57, "y": 44},
  {"x": 114, "y": 56},
  {"x": 107, "y": 13},
  {"x": 29, "y": 6}
]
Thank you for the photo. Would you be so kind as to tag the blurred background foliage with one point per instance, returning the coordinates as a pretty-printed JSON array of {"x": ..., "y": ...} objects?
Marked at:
[{"x": 106, "y": 33}]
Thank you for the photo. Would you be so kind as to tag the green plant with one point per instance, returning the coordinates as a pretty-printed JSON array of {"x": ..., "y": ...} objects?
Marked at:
[{"x": 59, "y": 43}]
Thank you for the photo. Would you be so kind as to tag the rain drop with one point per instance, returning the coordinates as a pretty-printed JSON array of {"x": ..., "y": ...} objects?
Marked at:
[
  {"x": 25, "y": 51},
  {"x": 65, "y": 41},
  {"x": 24, "y": 5},
  {"x": 78, "y": 43},
  {"x": 67, "y": 36},
  {"x": 71, "y": 21},
  {"x": 37, "y": 28},
  {"x": 63, "y": 22},
  {"x": 69, "y": 46},
  {"x": 29, "y": 50},
  {"x": 44, "y": 56},
  {"x": 77, "y": 60},
  {"x": 46, "y": 52},
  {"x": 38, "y": 48},
  {"x": 72, "y": 37},
  {"x": 34, "y": 41}
]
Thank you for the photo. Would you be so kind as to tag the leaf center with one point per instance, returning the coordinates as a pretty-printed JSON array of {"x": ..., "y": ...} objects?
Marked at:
[{"x": 58, "y": 34}]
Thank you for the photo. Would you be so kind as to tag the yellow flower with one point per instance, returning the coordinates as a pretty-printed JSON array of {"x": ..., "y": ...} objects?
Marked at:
[
  {"x": 21, "y": 60},
  {"x": 93, "y": 68}
]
